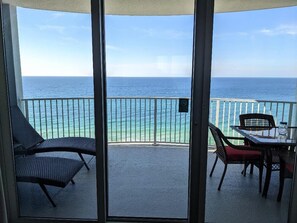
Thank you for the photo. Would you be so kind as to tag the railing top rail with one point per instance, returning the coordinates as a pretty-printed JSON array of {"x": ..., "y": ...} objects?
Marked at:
[
  {"x": 134, "y": 97},
  {"x": 277, "y": 101},
  {"x": 251, "y": 100},
  {"x": 170, "y": 98},
  {"x": 233, "y": 99},
  {"x": 116, "y": 97},
  {"x": 67, "y": 98}
]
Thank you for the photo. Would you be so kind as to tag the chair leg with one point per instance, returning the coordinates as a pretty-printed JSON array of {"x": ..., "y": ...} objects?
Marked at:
[
  {"x": 72, "y": 181},
  {"x": 225, "y": 169},
  {"x": 281, "y": 183},
  {"x": 252, "y": 169},
  {"x": 246, "y": 164},
  {"x": 47, "y": 194},
  {"x": 267, "y": 182},
  {"x": 260, "y": 176},
  {"x": 268, "y": 173},
  {"x": 82, "y": 158},
  {"x": 214, "y": 165}
]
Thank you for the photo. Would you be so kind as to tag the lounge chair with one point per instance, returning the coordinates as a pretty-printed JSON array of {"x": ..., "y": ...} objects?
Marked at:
[
  {"x": 32, "y": 142},
  {"x": 52, "y": 171}
]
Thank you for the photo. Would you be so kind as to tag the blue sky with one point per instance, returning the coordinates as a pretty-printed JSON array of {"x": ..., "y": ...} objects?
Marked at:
[{"x": 259, "y": 43}]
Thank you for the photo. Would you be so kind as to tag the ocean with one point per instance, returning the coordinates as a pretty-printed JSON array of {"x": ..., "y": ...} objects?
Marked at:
[
  {"x": 149, "y": 120},
  {"x": 282, "y": 89}
]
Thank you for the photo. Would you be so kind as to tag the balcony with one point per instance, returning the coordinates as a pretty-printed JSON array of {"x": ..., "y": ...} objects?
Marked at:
[{"x": 135, "y": 127}]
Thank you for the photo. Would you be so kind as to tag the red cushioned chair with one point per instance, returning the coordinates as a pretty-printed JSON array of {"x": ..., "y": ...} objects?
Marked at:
[
  {"x": 287, "y": 160},
  {"x": 234, "y": 154}
]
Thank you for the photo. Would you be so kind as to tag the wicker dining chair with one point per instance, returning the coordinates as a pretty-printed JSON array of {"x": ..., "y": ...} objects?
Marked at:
[
  {"x": 256, "y": 120},
  {"x": 234, "y": 154}
]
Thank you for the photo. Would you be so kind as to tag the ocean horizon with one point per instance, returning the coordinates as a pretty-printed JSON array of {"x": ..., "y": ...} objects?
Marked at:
[{"x": 278, "y": 89}]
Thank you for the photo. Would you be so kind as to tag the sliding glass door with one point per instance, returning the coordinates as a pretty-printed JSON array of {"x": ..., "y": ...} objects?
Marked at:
[
  {"x": 135, "y": 82},
  {"x": 150, "y": 87},
  {"x": 149, "y": 75},
  {"x": 254, "y": 71},
  {"x": 49, "y": 69}
]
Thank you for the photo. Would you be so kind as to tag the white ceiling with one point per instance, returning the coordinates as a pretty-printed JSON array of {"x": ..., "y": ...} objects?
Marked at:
[{"x": 150, "y": 7}]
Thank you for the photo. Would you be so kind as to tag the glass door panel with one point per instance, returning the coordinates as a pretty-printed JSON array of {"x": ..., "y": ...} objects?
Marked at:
[
  {"x": 49, "y": 57},
  {"x": 149, "y": 67},
  {"x": 254, "y": 71}
]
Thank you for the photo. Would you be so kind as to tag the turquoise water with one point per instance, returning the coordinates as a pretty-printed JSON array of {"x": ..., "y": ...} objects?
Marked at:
[{"x": 143, "y": 120}]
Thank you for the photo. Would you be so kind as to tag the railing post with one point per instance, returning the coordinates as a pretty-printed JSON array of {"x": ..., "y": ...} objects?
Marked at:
[
  {"x": 26, "y": 110},
  {"x": 217, "y": 112},
  {"x": 290, "y": 114},
  {"x": 155, "y": 122}
]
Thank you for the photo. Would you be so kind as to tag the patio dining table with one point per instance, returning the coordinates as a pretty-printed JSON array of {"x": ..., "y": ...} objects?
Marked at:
[{"x": 268, "y": 139}]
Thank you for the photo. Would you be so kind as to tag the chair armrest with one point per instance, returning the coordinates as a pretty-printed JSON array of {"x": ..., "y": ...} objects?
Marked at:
[
  {"x": 233, "y": 137},
  {"x": 240, "y": 147},
  {"x": 19, "y": 149},
  {"x": 17, "y": 145}
]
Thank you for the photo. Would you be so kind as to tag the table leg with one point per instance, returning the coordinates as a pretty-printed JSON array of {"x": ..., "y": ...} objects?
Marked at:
[{"x": 268, "y": 172}]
